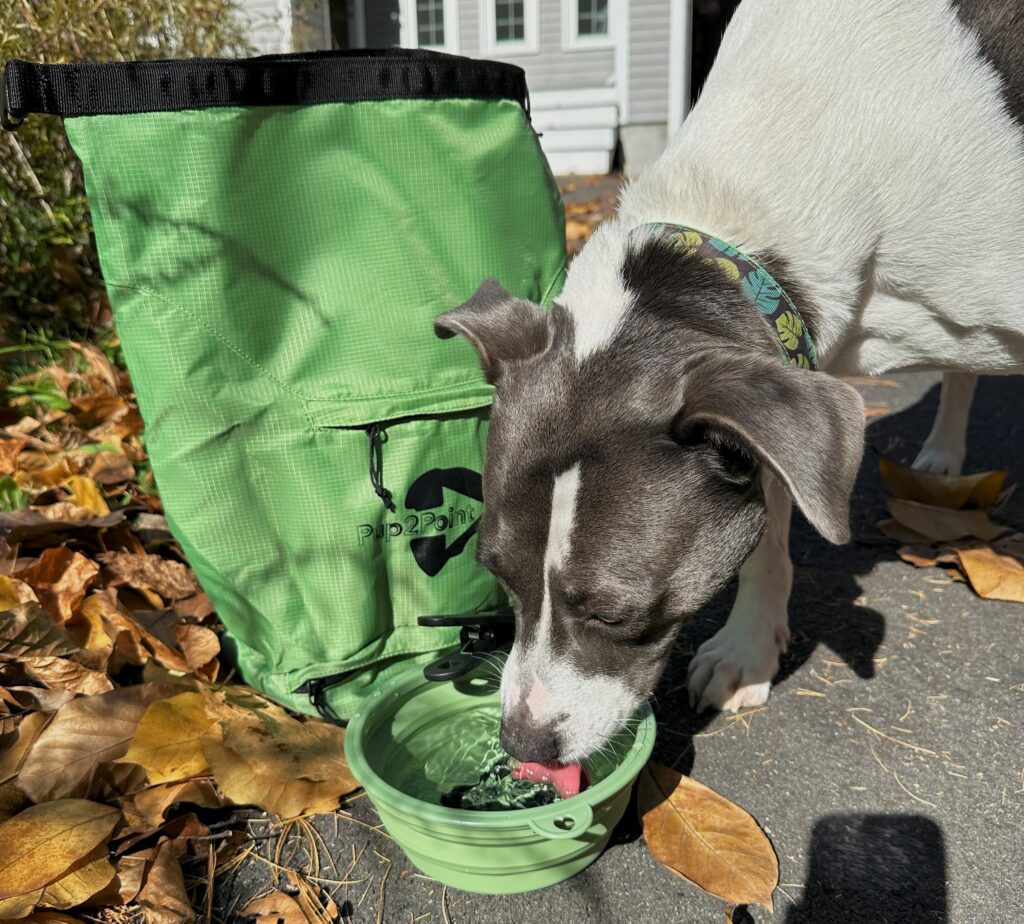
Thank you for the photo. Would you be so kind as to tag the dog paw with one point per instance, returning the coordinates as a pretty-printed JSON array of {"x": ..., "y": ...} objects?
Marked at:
[
  {"x": 732, "y": 669},
  {"x": 940, "y": 460}
]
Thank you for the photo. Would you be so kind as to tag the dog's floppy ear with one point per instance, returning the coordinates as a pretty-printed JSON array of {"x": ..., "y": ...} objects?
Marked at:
[
  {"x": 501, "y": 327},
  {"x": 806, "y": 426}
]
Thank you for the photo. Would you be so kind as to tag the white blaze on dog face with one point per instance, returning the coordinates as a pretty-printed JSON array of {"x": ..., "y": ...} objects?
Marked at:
[{"x": 584, "y": 710}]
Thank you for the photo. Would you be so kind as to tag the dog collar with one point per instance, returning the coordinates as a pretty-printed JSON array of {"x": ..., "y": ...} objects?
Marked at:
[{"x": 772, "y": 302}]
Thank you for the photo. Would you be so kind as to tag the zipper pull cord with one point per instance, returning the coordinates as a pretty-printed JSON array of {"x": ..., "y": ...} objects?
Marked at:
[{"x": 378, "y": 436}]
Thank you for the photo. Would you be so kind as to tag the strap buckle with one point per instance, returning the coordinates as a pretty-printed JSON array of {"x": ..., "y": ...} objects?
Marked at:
[
  {"x": 8, "y": 119},
  {"x": 482, "y": 634}
]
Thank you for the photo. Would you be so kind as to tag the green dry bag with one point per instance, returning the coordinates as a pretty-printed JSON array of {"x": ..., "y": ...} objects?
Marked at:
[{"x": 277, "y": 235}]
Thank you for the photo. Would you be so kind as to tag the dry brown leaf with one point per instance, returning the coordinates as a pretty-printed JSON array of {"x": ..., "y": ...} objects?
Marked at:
[
  {"x": 86, "y": 879},
  {"x": 197, "y": 606},
  {"x": 265, "y": 735},
  {"x": 168, "y": 739},
  {"x": 85, "y": 733},
  {"x": 928, "y": 556},
  {"x": 170, "y": 579},
  {"x": 705, "y": 838},
  {"x": 276, "y": 908},
  {"x": 993, "y": 576},
  {"x": 163, "y": 897},
  {"x": 12, "y": 800},
  {"x": 13, "y": 592},
  {"x": 110, "y": 468},
  {"x": 60, "y": 578},
  {"x": 62, "y": 673},
  {"x": 941, "y": 523},
  {"x": 29, "y": 631},
  {"x": 10, "y": 448},
  {"x": 199, "y": 644},
  {"x": 87, "y": 628},
  {"x": 64, "y": 512},
  {"x": 99, "y": 408},
  {"x": 43, "y": 842},
  {"x": 152, "y": 804},
  {"x": 244, "y": 784},
  {"x": 49, "y": 917},
  {"x": 38, "y": 471},
  {"x": 27, "y": 524},
  {"x": 18, "y": 906},
  {"x": 130, "y": 870},
  {"x": 15, "y": 747},
  {"x": 981, "y": 489},
  {"x": 99, "y": 365},
  {"x": 33, "y": 698},
  {"x": 86, "y": 493}
]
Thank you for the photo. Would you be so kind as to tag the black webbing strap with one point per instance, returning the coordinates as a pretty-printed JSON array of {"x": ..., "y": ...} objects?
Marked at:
[{"x": 361, "y": 75}]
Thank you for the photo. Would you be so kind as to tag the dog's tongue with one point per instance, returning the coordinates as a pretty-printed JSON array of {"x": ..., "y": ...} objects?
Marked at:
[{"x": 568, "y": 779}]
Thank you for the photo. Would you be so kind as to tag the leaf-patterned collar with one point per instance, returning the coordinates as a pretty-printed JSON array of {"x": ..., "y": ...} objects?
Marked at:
[{"x": 774, "y": 305}]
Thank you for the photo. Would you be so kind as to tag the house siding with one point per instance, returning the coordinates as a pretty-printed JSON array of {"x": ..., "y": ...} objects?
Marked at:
[
  {"x": 648, "y": 61},
  {"x": 552, "y": 68}
]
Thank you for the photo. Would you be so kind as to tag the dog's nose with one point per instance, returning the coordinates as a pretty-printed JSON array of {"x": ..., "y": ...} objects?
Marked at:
[{"x": 527, "y": 741}]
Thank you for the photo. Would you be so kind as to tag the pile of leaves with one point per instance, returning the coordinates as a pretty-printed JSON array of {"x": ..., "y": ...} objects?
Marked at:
[
  {"x": 123, "y": 753},
  {"x": 944, "y": 521}
]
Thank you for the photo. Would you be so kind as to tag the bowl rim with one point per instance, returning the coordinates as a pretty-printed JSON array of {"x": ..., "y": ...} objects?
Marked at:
[{"x": 382, "y": 791}]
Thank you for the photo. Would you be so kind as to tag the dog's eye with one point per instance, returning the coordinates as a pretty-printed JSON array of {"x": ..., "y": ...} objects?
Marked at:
[{"x": 604, "y": 619}]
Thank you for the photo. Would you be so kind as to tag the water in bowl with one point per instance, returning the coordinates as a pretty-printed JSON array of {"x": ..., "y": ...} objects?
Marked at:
[{"x": 451, "y": 750}]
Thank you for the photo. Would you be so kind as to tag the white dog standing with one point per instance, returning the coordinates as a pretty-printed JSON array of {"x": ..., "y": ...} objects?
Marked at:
[{"x": 868, "y": 158}]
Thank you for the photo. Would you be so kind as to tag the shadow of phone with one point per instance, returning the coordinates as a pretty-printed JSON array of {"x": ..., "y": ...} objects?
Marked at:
[{"x": 877, "y": 868}]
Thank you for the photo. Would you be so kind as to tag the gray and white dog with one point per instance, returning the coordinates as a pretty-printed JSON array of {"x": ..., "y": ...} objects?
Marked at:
[{"x": 646, "y": 438}]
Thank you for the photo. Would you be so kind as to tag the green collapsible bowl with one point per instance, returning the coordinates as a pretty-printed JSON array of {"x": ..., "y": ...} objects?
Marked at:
[{"x": 414, "y": 739}]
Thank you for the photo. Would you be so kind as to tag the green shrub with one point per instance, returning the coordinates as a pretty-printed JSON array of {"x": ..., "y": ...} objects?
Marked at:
[{"x": 50, "y": 282}]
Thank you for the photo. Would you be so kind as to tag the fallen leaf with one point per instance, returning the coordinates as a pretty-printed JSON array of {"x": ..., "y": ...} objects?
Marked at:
[
  {"x": 37, "y": 471},
  {"x": 60, "y": 578},
  {"x": 15, "y": 746},
  {"x": 981, "y": 489},
  {"x": 34, "y": 698},
  {"x": 243, "y": 784},
  {"x": 265, "y": 735},
  {"x": 110, "y": 468},
  {"x": 29, "y": 631},
  {"x": 85, "y": 733},
  {"x": 62, "y": 673},
  {"x": 168, "y": 739},
  {"x": 170, "y": 579},
  {"x": 12, "y": 801},
  {"x": 152, "y": 803},
  {"x": 198, "y": 644},
  {"x": 97, "y": 362},
  {"x": 98, "y": 408},
  {"x": 993, "y": 575},
  {"x": 276, "y": 908},
  {"x": 163, "y": 897},
  {"x": 45, "y": 841},
  {"x": 928, "y": 556},
  {"x": 87, "y": 878},
  {"x": 705, "y": 838},
  {"x": 27, "y": 525},
  {"x": 10, "y": 447},
  {"x": 86, "y": 493},
  {"x": 18, "y": 906},
  {"x": 13, "y": 592},
  {"x": 942, "y": 523}
]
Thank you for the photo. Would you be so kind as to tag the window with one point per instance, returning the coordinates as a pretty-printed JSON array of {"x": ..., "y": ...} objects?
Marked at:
[
  {"x": 591, "y": 17},
  {"x": 509, "y": 21},
  {"x": 508, "y": 27},
  {"x": 587, "y": 24},
  {"x": 430, "y": 23}
]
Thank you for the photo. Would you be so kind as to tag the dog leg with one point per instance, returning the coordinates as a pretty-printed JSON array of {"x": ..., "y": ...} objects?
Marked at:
[
  {"x": 734, "y": 668},
  {"x": 943, "y": 452}
]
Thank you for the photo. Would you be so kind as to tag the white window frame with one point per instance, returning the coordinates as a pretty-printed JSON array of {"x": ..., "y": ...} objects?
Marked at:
[
  {"x": 530, "y": 44},
  {"x": 571, "y": 38},
  {"x": 409, "y": 33}
]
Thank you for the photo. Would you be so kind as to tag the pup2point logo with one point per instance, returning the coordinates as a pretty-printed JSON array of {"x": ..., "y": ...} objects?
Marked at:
[{"x": 432, "y": 519}]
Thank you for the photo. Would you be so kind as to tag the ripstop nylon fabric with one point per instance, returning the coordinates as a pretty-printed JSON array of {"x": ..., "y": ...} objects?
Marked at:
[{"x": 274, "y": 273}]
